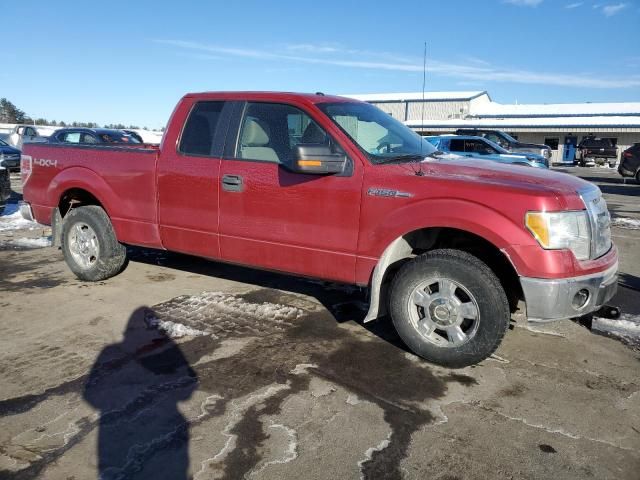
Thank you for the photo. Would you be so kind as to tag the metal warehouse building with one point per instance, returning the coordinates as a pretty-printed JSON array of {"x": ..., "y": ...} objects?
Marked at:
[{"x": 561, "y": 126}]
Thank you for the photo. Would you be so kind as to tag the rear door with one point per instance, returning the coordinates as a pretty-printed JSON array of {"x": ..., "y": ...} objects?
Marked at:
[
  {"x": 276, "y": 219},
  {"x": 188, "y": 178}
]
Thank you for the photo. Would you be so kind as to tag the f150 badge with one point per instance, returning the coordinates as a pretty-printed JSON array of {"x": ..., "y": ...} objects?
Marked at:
[{"x": 385, "y": 192}]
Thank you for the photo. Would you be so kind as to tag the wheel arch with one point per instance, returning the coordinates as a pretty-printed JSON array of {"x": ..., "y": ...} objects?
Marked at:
[{"x": 415, "y": 242}]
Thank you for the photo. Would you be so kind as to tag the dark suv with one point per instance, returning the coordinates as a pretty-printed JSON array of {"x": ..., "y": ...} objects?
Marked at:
[
  {"x": 507, "y": 142},
  {"x": 5, "y": 187},
  {"x": 630, "y": 162}
]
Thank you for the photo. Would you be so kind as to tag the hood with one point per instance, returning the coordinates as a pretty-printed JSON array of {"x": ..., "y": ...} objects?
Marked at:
[
  {"x": 7, "y": 150},
  {"x": 500, "y": 175},
  {"x": 530, "y": 145}
]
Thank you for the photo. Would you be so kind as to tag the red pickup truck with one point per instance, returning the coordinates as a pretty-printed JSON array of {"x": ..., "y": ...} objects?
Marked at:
[{"x": 333, "y": 188}]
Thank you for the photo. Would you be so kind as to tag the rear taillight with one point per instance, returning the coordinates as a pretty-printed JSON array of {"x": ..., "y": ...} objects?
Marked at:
[
  {"x": 26, "y": 166},
  {"x": 627, "y": 155}
]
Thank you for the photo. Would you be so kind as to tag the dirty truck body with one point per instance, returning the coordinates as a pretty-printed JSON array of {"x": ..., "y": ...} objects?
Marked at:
[{"x": 332, "y": 188}]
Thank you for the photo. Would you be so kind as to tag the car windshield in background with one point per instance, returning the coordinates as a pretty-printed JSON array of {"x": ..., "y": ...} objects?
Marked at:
[
  {"x": 115, "y": 137},
  {"x": 379, "y": 135}
]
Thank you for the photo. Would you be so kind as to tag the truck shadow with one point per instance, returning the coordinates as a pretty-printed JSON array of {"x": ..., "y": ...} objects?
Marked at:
[{"x": 344, "y": 302}]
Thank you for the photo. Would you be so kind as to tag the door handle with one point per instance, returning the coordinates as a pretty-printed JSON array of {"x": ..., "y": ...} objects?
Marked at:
[{"x": 232, "y": 183}]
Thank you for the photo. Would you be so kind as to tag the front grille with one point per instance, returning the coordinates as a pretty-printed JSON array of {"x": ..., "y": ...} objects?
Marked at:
[{"x": 599, "y": 220}]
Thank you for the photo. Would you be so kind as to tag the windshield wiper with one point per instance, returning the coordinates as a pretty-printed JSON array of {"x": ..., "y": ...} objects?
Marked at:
[{"x": 402, "y": 158}]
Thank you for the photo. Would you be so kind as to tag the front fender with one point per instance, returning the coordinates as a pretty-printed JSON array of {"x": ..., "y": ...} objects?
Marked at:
[{"x": 481, "y": 220}]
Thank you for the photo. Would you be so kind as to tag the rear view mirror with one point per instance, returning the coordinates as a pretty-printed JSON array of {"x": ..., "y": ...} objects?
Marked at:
[{"x": 317, "y": 158}]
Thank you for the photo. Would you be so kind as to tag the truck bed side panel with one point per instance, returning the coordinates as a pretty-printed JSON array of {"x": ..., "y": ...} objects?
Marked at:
[{"x": 122, "y": 179}]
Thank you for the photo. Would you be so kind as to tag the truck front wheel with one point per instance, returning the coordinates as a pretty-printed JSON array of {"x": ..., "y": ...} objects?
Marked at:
[
  {"x": 90, "y": 246},
  {"x": 449, "y": 308}
]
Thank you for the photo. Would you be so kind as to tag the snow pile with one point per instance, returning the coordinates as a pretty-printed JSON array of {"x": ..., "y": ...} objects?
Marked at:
[
  {"x": 32, "y": 242},
  {"x": 173, "y": 329},
  {"x": 11, "y": 219},
  {"x": 624, "y": 222},
  {"x": 626, "y": 328}
]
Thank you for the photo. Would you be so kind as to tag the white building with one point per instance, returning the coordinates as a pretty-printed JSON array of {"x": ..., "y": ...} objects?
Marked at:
[{"x": 555, "y": 125}]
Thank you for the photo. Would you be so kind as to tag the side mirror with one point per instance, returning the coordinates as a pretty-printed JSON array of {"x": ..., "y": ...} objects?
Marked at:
[{"x": 316, "y": 158}]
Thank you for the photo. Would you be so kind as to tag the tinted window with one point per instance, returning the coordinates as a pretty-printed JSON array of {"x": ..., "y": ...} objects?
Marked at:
[
  {"x": 596, "y": 142},
  {"x": 269, "y": 132},
  {"x": 116, "y": 137},
  {"x": 478, "y": 146},
  {"x": 198, "y": 133},
  {"x": 89, "y": 138},
  {"x": 456, "y": 145},
  {"x": 71, "y": 137}
]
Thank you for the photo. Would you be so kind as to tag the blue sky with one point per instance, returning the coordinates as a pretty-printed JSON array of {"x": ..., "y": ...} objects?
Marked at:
[{"x": 131, "y": 61}]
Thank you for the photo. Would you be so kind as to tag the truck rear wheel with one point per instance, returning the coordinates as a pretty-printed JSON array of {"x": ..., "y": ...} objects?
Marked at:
[
  {"x": 90, "y": 246},
  {"x": 449, "y": 308}
]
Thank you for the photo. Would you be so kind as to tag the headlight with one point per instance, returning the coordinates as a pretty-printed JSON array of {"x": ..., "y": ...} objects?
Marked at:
[{"x": 559, "y": 230}]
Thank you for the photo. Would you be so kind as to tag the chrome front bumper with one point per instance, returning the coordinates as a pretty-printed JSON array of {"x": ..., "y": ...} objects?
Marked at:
[
  {"x": 549, "y": 300},
  {"x": 25, "y": 211}
]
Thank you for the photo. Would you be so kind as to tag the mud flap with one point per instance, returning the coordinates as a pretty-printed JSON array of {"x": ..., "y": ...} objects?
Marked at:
[{"x": 56, "y": 228}]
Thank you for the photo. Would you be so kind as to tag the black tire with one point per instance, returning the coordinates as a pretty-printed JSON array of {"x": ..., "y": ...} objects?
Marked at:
[
  {"x": 111, "y": 257},
  {"x": 474, "y": 276}
]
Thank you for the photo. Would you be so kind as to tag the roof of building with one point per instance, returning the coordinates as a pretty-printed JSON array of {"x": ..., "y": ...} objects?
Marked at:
[
  {"x": 498, "y": 110},
  {"x": 534, "y": 122},
  {"x": 417, "y": 96}
]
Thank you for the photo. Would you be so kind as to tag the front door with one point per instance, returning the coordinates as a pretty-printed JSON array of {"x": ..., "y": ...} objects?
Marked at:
[
  {"x": 276, "y": 219},
  {"x": 188, "y": 179},
  {"x": 570, "y": 143}
]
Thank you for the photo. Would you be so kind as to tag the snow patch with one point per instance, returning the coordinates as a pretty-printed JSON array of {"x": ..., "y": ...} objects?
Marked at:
[
  {"x": 624, "y": 222},
  {"x": 626, "y": 328},
  {"x": 32, "y": 242},
  {"x": 11, "y": 219},
  {"x": 173, "y": 329}
]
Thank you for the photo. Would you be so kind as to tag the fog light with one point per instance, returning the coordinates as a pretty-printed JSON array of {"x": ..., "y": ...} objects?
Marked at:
[{"x": 580, "y": 299}]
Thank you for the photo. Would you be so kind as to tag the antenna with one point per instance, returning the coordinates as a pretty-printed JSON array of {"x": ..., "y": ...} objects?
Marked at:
[{"x": 419, "y": 172}]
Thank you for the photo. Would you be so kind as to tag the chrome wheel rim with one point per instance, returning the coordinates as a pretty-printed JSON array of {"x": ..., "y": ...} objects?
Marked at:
[
  {"x": 444, "y": 312},
  {"x": 83, "y": 245}
]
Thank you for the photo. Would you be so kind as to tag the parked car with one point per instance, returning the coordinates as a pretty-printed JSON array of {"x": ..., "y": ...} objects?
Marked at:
[
  {"x": 507, "y": 142},
  {"x": 593, "y": 150},
  {"x": 17, "y": 135},
  {"x": 9, "y": 156},
  {"x": 630, "y": 162},
  {"x": 5, "y": 188},
  {"x": 134, "y": 134},
  {"x": 92, "y": 136},
  {"x": 479, "y": 147},
  {"x": 336, "y": 189}
]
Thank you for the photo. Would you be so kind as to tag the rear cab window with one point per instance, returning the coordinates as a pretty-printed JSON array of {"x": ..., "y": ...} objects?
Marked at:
[{"x": 200, "y": 129}]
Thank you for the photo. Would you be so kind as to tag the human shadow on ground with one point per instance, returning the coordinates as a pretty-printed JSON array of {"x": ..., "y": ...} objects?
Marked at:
[{"x": 137, "y": 384}]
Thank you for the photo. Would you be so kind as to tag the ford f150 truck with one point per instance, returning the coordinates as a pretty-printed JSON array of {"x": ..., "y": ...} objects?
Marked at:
[{"x": 336, "y": 189}]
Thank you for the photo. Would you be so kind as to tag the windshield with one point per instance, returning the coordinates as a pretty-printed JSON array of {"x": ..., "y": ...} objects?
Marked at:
[
  {"x": 380, "y": 136},
  {"x": 3, "y": 143},
  {"x": 495, "y": 146}
]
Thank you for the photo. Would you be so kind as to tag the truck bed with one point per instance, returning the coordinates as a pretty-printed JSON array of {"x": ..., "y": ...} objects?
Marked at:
[{"x": 122, "y": 178}]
